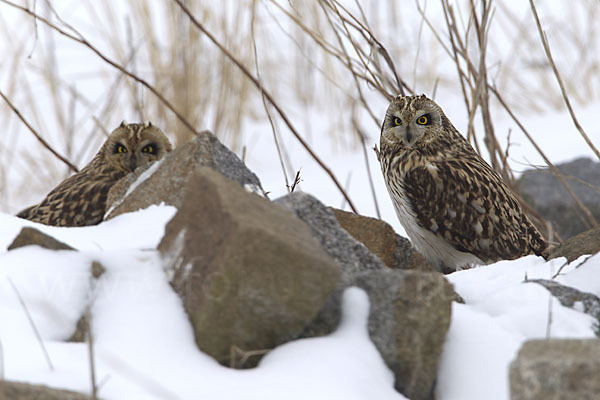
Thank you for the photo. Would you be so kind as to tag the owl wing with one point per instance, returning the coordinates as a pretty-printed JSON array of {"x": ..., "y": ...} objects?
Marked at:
[
  {"x": 79, "y": 200},
  {"x": 466, "y": 203}
]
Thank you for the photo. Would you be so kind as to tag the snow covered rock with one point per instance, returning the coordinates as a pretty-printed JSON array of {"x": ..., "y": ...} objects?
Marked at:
[
  {"x": 250, "y": 274},
  {"x": 410, "y": 316},
  {"x": 589, "y": 303},
  {"x": 379, "y": 237},
  {"x": 31, "y": 236},
  {"x": 24, "y": 391},
  {"x": 410, "y": 310},
  {"x": 164, "y": 181},
  {"x": 556, "y": 369}
]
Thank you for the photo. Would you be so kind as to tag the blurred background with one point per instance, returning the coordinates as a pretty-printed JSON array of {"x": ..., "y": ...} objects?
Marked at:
[{"x": 72, "y": 70}]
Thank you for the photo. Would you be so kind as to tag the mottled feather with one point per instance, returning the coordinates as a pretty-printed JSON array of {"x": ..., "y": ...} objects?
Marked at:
[
  {"x": 80, "y": 200},
  {"x": 454, "y": 207}
]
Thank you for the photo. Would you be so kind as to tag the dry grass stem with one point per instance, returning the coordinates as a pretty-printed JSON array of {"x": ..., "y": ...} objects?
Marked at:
[
  {"x": 81, "y": 40},
  {"x": 563, "y": 90},
  {"x": 30, "y": 319},
  {"x": 36, "y": 134},
  {"x": 268, "y": 96}
]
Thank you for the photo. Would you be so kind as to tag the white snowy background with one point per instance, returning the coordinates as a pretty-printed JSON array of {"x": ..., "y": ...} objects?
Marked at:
[{"x": 144, "y": 346}]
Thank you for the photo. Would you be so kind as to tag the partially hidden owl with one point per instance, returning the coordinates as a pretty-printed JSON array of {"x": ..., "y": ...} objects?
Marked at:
[
  {"x": 80, "y": 200},
  {"x": 455, "y": 209}
]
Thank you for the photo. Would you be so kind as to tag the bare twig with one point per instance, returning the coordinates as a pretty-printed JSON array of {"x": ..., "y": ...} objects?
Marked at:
[
  {"x": 563, "y": 90},
  {"x": 582, "y": 207},
  {"x": 37, "y": 135},
  {"x": 550, "y": 315},
  {"x": 264, "y": 101},
  {"x": 297, "y": 180},
  {"x": 90, "y": 345},
  {"x": 81, "y": 40},
  {"x": 362, "y": 137},
  {"x": 30, "y": 319}
]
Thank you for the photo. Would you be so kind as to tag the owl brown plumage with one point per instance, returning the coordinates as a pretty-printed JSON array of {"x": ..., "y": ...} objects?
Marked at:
[
  {"x": 454, "y": 207},
  {"x": 80, "y": 200}
]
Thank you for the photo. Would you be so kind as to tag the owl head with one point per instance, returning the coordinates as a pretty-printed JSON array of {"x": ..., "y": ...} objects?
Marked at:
[
  {"x": 411, "y": 120},
  {"x": 134, "y": 145}
]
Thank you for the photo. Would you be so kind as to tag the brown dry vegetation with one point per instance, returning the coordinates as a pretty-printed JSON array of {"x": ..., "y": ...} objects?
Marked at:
[{"x": 75, "y": 73}]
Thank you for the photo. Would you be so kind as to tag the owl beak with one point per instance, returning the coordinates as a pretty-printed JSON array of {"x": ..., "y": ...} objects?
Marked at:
[
  {"x": 408, "y": 136},
  {"x": 132, "y": 163}
]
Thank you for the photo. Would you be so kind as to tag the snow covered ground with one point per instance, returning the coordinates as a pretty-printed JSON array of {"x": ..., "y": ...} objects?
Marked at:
[{"x": 144, "y": 345}]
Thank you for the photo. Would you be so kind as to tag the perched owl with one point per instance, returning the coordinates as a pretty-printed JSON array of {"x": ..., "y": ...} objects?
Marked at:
[
  {"x": 456, "y": 210},
  {"x": 80, "y": 200}
]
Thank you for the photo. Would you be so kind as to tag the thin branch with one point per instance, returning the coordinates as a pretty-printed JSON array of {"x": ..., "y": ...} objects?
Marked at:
[
  {"x": 582, "y": 207},
  {"x": 362, "y": 137},
  {"x": 268, "y": 96},
  {"x": 37, "y": 135},
  {"x": 80, "y": 39},
  {"x": 265, "y": 105},
  {"x": 30, "y": 319},
  {"x": 563, "y": 90},
  {"x": 90, "y": 346}
]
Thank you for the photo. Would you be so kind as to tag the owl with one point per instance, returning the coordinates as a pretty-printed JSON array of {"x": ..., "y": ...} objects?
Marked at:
[
  {"x": 80, "y": 200},
  {"x": 455, "y": 209}
]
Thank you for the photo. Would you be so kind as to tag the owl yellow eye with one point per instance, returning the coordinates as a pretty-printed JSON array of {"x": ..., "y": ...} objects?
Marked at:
[
  {"x": 149, "y": 149},
  {"x": 422, "y": 120},
  {"x": 120, "y": 149},
  {"x": 397, "y": 121}
]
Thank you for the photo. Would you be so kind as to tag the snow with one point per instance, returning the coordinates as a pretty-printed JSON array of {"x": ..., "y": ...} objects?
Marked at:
[
  {"x": 144, "y": 345},
  {"x": 501, "y": 311}
]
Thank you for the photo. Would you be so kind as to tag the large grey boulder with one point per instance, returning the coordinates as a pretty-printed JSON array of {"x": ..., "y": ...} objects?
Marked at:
[
  {"x": 250, "y": 274},
  {"x": 556, "y": 369},
  {"x": 548, "y": 196},
  {"x": 164, "y": 181},
  {"x": 410, "y": 310}
]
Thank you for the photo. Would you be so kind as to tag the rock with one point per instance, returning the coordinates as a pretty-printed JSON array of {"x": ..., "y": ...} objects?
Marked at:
[
  {"x": 31, "y": 236},
  {"x": 25, "y": 391},
  {"x": 409, "y": 319},
  {"x": 164, "y": 181},
  {"x": 352, "y": 256},
  {"x": 547, "y": 195},
  {"x": 379, "y": 237},
  {"x": 556, "y": 369},
  {"x": 569, "y": 297},
  {"x": 585, "y": 243},
  {"x": 410, "y": 310},
  {"x": 250, "y": 274}
]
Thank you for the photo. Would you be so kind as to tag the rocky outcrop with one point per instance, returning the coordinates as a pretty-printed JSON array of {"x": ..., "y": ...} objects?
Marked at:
[
  {"x": 31, "y": 236},
  {"x": 548, "y": 196},
  {"x": 25, "y": 391},
  {"x": 164, "y": 181},
  {"x": 556, "y": 369},
  {"x": 253, "y": 274},
  {"x": 250, "y": 274},
  {"x": 410, "y": 310},
  {"x": 379, "y": 237},
  {"x": 585, "y": 243}
]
